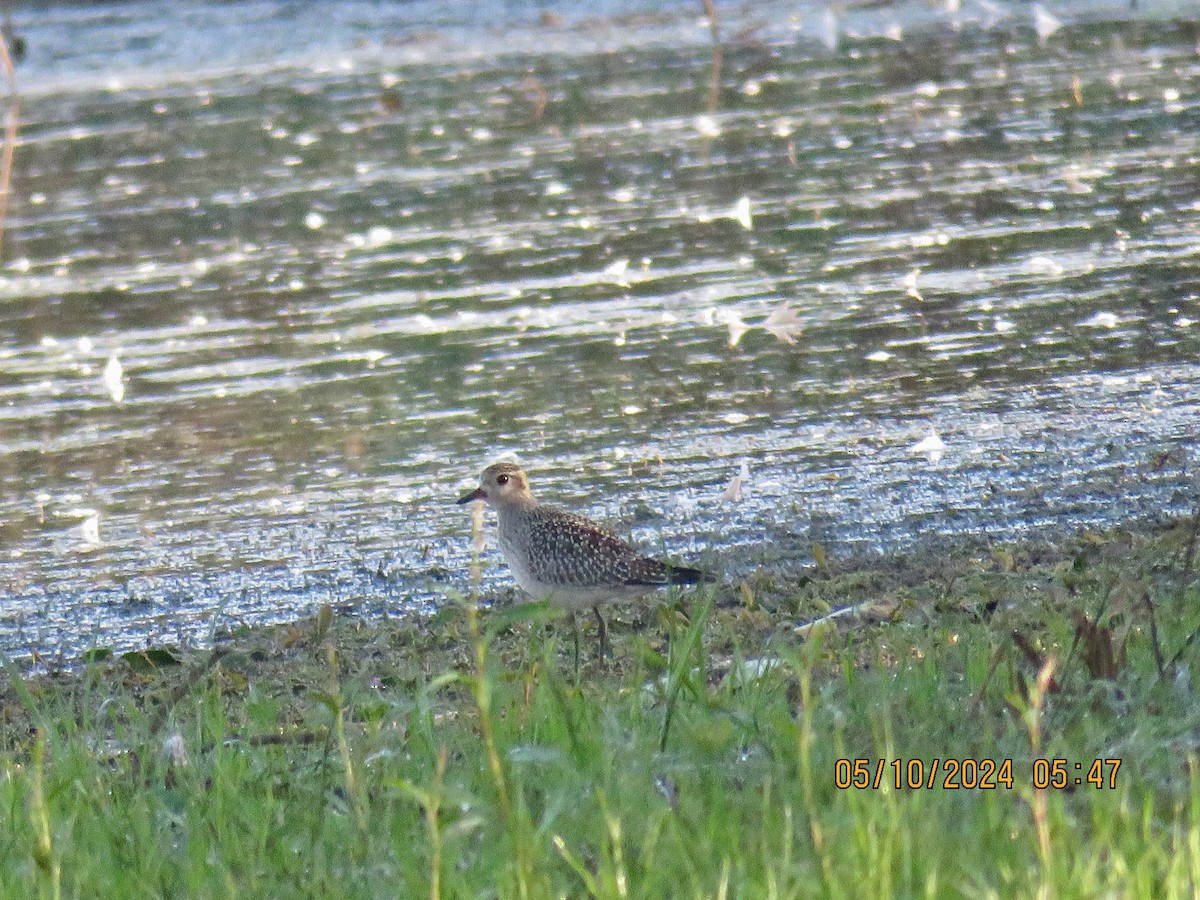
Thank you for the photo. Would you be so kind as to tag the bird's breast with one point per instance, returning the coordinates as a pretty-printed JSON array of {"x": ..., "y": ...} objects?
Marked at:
[{"x": 514, "y": 547}]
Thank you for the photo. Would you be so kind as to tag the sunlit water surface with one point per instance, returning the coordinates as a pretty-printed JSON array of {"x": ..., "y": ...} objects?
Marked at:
[{"x": 281, "y": 278}]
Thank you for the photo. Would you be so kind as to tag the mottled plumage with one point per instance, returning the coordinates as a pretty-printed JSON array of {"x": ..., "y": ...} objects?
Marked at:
[{"x": 562, "y": 557}]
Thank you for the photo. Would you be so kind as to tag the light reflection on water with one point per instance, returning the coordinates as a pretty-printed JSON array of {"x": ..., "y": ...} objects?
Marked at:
[{"x": 339, "y": 282}]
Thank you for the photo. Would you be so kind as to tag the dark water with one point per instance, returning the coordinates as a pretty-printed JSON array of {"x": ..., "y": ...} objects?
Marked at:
[{"x": 345, "y": 254}]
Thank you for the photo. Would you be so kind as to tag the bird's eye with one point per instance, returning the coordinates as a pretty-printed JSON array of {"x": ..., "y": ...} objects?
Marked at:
[{"x": 501, "y": 479}]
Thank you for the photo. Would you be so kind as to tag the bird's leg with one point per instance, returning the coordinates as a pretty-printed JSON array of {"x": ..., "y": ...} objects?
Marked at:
[
  {"x": 602, "y": 631},
  {"x": 575, "y": 635}
]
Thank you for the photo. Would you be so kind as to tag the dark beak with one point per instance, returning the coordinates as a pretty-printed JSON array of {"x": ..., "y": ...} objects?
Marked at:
[{"x": 477, "y": 494}]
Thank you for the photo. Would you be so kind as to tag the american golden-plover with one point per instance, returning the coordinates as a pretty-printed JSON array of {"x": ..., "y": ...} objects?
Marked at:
[{"x": 558, "y": 556}]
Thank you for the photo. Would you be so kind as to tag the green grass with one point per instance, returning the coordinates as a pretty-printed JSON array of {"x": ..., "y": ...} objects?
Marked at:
[{"x": 467, "y": 757}]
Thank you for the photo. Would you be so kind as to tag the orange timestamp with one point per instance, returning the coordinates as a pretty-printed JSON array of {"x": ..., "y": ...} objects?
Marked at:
[{"x": 971, "y": 774}]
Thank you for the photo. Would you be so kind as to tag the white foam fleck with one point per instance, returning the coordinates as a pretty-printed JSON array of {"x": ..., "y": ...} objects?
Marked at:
[
  {"x": 114, "y": 378},
  {"x": 932, "y": 447},
  {"x": 1100, "y": 320}
]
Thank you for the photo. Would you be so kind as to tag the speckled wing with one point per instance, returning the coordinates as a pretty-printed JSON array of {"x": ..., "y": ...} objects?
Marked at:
[{"x": 572, "y": 550}]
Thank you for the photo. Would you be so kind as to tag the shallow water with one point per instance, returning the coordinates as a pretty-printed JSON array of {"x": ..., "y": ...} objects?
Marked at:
[{"x": 344, "y": 258}]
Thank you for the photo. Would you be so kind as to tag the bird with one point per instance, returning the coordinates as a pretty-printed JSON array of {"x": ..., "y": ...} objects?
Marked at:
[{"x": 565, "y": 558}]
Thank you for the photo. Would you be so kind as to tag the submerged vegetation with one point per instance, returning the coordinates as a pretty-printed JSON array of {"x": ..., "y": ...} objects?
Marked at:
[{"x": 464, "y": 755}]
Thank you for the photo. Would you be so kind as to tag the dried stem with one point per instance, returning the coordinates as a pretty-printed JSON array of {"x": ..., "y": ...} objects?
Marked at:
[
  {"x": 10, "y": 133},
  {"x": 343, "y": 743},
  {"x": 714, "y": 27},
  {"x": 481, "y": 689}
]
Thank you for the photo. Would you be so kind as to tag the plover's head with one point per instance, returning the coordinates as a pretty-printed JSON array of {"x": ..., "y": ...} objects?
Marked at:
[{"x": 501, "y": 484}]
